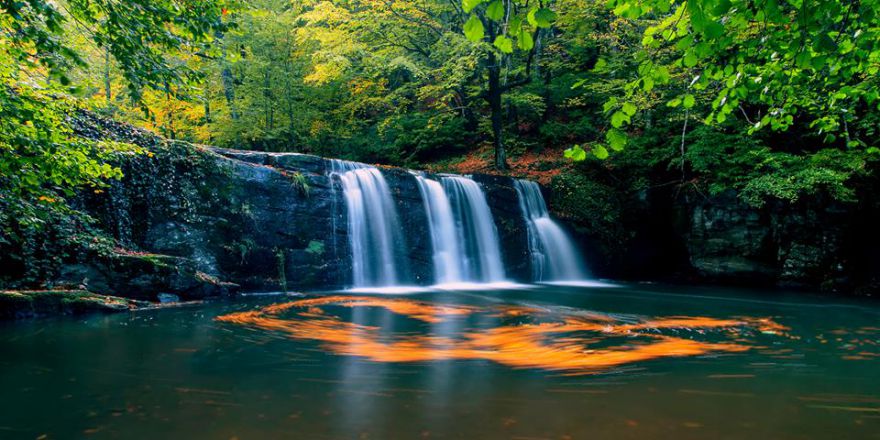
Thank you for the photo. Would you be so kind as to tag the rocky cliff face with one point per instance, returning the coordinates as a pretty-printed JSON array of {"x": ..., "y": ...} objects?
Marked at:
[
  {"x": 813, "y": 244},
  {"x": 199, "y": 222},
  {"x": 262, "y": 221}
]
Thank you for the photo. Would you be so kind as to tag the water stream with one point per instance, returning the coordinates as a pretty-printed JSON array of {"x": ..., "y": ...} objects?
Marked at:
[
  {"x": 373, "y": 227},
  {"x": 554, "y": 257},
  {"x": 464, "y": 240}
]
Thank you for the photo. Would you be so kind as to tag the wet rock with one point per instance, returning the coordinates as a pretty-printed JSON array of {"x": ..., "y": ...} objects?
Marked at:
[
  {"x": 787, "y": 245},
  {"x": 263, "y": 221},
  {"x": 165, "y": 298},
  {"x": 25, "y": 304}
]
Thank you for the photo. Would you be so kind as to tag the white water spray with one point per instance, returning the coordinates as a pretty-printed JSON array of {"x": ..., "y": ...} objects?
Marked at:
[
  {"x": 554, "y": 257},
  {"x": 373, "y": 226}
]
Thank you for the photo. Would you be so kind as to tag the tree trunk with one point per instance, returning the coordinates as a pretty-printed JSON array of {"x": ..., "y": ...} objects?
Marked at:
[
  {"x": 107, "y": 89},
  {"x": 227, "y": 79},
  {"x": 267, "y": 100},
  {"x": 493, "y": 96}
]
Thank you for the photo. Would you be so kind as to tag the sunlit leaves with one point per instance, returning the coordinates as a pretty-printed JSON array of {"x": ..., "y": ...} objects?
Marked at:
[
  {"x": 469, "y": 5},
  {"x": 575, "y": 153},
  {"x": 495, "y": 10},
  {"x": 616, "y": 139},
  {"x": 688, "y": 101},
  {"x": 541, "y": 17},
  {"x": 578, "y": 154},
  {"x": 473, "y": 29},
  {"x": 524, "y": 40},
  {"x": 619, "y": 118},
  {"x": 504, "y": 44},
  {"x": 778, "y": 58},
  {"x": 513, "y": 23}
]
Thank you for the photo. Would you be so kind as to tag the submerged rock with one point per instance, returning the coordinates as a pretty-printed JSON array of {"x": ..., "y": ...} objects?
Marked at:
[{"x": 165, "y": 298}]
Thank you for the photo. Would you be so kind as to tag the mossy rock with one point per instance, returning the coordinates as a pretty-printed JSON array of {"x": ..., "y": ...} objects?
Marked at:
[{"x": 23, "y": 304}]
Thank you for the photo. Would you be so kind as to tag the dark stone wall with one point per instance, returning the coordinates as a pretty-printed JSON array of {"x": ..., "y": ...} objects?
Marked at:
[
  {"x": 810, "y": 244},
  {"x": 269, "y": 221}
]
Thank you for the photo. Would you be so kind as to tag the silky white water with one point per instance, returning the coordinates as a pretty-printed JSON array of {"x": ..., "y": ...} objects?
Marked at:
[
  {"x": 554, "y": 257},
  {"x": 447, "y": 254},
  {"x": 475, "y": 231},
  {"x": 373, "y": 227}
]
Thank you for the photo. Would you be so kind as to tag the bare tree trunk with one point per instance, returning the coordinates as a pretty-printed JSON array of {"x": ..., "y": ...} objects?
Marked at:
[
  {"x": 107, "y": 89},
  {"x": 493, "y": 96},
  {"x": 227, "y": 79},
  {"x": 267, "y": 99}
]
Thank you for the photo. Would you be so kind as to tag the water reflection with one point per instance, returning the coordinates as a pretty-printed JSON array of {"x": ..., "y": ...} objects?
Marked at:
[{"x": 570, "y": 341}]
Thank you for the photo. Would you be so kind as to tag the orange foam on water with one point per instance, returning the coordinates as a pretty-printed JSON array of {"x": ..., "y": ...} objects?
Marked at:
[{"x": 559, "y": 343}]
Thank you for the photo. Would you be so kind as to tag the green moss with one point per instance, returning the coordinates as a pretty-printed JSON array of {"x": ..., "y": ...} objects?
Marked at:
[
  {"x": 300, "y": 183},
  {"x": 316, "y": 247},
  {"x": 38, "y": 303}
]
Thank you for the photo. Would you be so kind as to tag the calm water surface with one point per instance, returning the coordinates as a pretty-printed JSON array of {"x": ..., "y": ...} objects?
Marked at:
[{"x": 628, "y": 362}]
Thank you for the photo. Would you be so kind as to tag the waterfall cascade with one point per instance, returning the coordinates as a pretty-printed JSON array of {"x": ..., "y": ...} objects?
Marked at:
[
  {"x": 464, "y": 238},
  {"x": 476, "y": 230},
  {"x": 463, "y": 234},
  {"x": 374, "y": 231},
  {"x": 554, "y": 257},
  {"x": 447, "y": 255}
]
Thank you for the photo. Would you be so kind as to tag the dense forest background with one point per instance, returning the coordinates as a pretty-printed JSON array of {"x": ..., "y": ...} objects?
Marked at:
[{"x": 602, "y": 101}]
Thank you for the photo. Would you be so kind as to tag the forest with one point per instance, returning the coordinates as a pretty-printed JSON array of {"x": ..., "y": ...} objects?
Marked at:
[
  {"x": 601, "y": 101},
  {"x": 439, "y": 219}
]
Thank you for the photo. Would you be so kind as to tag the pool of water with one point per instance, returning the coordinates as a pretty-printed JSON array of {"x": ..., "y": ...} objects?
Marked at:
[{"x": 539, "y": 362}]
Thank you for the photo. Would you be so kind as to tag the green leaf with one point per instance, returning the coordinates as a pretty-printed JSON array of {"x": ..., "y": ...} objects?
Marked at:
[
  {"x": 618, "y": 119},
  {"x": 629, "y": 109},
  {"x": 600, "y": 64},
  {"x": 503, "y": 43},
  {"x": 714, "y": 29},
  {"x": 530, "y": 17},
  {"x": 516, "y": 22},
  {"x": 575, "y": 153},
  {"x": 469, "y": 5},
  {"x": 473, "y": 29},
  {"x": 600, "y": 152},
  {"x": 524, "y": 41},
  {"x": 495, "y": 11},
  {"x": 690, "y": 59},
  {"x": 632, "y": 12},
  {"x": 616, "y": 139},
  {"x": 541, "y": 17},
  {"x": 688, "y": 101},
  {"x": 803, "y": 59},
  {"x": 825, "y": 43},
  {"x": 721, "y": 7},
  {"x": 609, "y": 104}
]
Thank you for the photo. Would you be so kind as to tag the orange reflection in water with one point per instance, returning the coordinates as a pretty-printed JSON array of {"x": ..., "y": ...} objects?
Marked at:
[{"x": 554, "y": 341}]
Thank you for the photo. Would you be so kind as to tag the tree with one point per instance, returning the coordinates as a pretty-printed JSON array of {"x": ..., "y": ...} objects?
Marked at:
[
  {"x": 501, "y": 23},
  {"x": 41, "y": 162},
  {"x": 774, "y": 64}
]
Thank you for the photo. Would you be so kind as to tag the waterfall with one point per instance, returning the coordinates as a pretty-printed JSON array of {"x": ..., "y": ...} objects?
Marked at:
[
  {"x": 475, "y": 230},
  {"x": 554, "y": 257},
  {"x": 373, "y": 227},
  {"x": 447, "y": 256}
]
